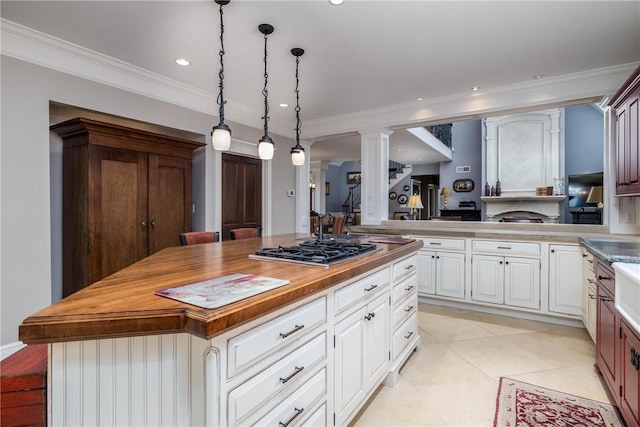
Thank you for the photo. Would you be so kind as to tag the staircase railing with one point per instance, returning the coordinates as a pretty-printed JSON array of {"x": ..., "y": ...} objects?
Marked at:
[
  {"x": 352, "y": 202},
  {"x": 442, "y": 132},
  {"x": 394, "y": 169}
]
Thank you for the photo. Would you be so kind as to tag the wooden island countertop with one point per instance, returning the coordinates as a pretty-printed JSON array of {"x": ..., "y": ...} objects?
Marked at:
[{"x": 125, "y": 304}]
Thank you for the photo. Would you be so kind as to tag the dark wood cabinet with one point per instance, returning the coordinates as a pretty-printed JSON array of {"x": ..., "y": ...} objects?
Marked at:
[
  {"x": 629, "y": 374},
  {"x": 626, "y": 103},
  {"x": 607, "y": 339},
  {"x": 126, "y": 195}
]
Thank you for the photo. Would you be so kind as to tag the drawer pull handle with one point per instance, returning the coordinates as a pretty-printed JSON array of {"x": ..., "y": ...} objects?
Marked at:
[
  {"x": 409, "y": 335},
  {"x": 408, "y": 309},
  {"x": 590, "y": 261},
  {"x": 605, "y": 298},
  {"x": 370, "y": 316},
  {"x": 592, "y": 296},
  {"x": 408, "y": 267},
  {"x": 435, "y": 243},
  {"x": 603, "y": 277},
  {"x": 591, "y": 281},
  {"x": 296, "y": 329},
  {"x": 408, "y": 288},
  {"x": 370, "y": 288},
  {"x": 504, "y": 247},
  {"x": 290, "y": 420},
  {"x": 295, "y": 372}
]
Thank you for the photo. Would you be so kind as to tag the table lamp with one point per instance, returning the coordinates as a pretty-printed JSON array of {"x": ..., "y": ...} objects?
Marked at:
[
  {"x": 415, "y": 203},
  {"x": 595, "y": 196},
  {"x": 445, "y": 192}
]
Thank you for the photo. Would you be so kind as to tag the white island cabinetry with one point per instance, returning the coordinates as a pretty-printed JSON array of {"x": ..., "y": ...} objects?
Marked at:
[{"x": 441, "y": 267}]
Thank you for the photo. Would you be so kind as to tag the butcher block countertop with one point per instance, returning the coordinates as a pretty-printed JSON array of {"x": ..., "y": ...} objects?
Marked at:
[{"x": 125, "y": 304}]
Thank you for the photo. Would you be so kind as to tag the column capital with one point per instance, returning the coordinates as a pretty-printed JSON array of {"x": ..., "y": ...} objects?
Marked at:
[{"x": 375, "y": 131}]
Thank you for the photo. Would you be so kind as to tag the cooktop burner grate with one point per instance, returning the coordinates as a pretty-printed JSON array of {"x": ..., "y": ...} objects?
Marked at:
[{"x": 313, "y": 252}]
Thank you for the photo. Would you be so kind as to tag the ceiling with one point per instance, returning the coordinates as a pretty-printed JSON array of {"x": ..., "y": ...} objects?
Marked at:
[{"x": 362, "y": 57}]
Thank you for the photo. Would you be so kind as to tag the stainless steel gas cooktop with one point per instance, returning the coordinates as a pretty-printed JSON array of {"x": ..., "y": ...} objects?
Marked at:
[{"x": 322, "y": 253}]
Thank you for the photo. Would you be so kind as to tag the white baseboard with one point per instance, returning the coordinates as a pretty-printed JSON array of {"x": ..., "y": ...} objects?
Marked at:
[{"x": 8, "y": 349}]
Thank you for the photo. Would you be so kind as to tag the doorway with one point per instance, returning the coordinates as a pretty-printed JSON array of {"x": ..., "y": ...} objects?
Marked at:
[
  {"x": 429, "y": 185},
  {"x": 241, "y": 193}
]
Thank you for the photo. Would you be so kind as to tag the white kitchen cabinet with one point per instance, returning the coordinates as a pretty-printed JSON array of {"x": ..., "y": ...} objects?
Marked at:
[
  {"x": 511, "y": 281},
  {"x": 565, "y": 279},
  {"x": 441, "y": 267},
  {"x": 589, "y": 294},
  {"x": 361, "y": 355},
  {"x": 404, "y": 318},
  {"x": 441, "y": 273}
]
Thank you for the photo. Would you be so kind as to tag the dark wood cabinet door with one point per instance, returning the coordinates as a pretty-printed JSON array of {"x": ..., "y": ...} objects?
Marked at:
[
  {"x": 169, "y": 201},
  {"x": 241, "y": 193},
  {"x": 607, "y": 339},
  {"x": 629, "y": 373},
  {"x": 621, "y": 146},
  {"x": 633, "y": 162},
  {"x": 117, "y": 210}
]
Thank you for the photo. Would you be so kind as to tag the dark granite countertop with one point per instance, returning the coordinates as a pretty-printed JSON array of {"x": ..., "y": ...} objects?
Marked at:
[{"x": 612, "y": 250}]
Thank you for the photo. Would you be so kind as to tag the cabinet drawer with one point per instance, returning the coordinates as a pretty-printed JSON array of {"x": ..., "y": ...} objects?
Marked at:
[
  {"x": 291, "y": 411},
  {"x": 247, "y": 348},
  {"x": 405, "y": 309},
  {"x": 360, "y": 289},
  {"x": 432, "y": 243},
  {"x": 404, "y": 267},
  {"x": 605, "y": 276},
  {"x": 506, "y": 248},
  {"x": 404, "y": 334},
  {"x": 404, "y": 288},
  {"x": 290, "y": 370}
]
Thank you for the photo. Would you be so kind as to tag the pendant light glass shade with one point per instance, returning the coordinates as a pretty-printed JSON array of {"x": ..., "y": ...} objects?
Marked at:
[
  {"x": 297, "y": 156},
  {"x": 297, "y": 152},
  {"x": 221, "y": 134},
  {"x": 266, "y": 147},
  {"x": 221, "y": 137}
]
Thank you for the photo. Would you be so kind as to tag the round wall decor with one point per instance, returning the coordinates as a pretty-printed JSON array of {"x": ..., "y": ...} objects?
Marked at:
[
  {"x": 392, "y": 195},
  {"x": 402, "y": 199},
  {"x": 406, "y": 188}
]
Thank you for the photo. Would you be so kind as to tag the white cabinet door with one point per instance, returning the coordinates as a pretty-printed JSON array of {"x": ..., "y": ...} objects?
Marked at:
[
  {"x": 426, "y": 272},
  {"x": 487, "y": 278},
  {"x": 376, "y": 339},
  {"x": 361, "y": 355},
  {"x": 522, "y": 282},
  {"x": 450, "y": 274},
  {"x": 565, "y": 279},
  {"x": 349, "y": 358}
]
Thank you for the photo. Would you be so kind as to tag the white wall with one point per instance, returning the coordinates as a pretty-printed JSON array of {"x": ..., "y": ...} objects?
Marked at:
[{"x": 29, "y": 241}]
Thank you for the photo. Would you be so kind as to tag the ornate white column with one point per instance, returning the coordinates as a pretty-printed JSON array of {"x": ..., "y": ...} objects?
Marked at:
[{"x": 374, "y": 204}]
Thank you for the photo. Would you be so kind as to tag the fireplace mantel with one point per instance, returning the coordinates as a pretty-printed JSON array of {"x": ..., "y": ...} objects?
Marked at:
[{"x": 545, "y": 207}]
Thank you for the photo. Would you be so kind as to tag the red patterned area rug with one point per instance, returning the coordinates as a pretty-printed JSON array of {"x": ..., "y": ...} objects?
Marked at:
[{"x": 525, "y": 405}]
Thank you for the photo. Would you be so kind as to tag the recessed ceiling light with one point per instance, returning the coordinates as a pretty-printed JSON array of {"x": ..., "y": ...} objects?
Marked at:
[
  {"x": 183, "y": 62},
  {"x": 336, "y": 2},
  {"x": 538, "y": 76},
  {"x": 475, "y": 88},
  {"x": 420, "y": 99},
  {"x": 283, "y": 105},
  {"x": 399, "y": 149}
]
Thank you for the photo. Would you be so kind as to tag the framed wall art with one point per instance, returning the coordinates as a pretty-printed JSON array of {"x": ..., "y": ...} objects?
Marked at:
[
  {"x": 463, "y": 185},
  {"x": 353, "y": 177}
]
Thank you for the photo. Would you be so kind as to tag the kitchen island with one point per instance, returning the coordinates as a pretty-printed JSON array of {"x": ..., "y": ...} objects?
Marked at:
[{"x": 312, "y": 351}]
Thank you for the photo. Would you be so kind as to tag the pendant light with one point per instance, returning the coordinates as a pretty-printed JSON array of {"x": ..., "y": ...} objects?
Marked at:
[
  {"x": 266, "y": 145},
  {"x": 221, "y": 134},
  {"x": 297, "y": 152}
]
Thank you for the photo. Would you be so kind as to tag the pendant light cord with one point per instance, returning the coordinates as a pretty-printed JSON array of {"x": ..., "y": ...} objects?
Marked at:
[
  {"x": 298, "y": 122},
  {"x": 221, "y": 100},
  {"x": 265, "y": 92}
]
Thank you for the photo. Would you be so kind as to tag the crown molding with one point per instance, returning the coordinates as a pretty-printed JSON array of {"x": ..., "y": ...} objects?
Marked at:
[
  {"x": 29, "y": 45},
  {"x": 585, "y": 86}
]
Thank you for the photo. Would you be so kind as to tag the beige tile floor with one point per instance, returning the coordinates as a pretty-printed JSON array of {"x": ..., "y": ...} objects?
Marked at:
[{"x": 452, "y": 380}]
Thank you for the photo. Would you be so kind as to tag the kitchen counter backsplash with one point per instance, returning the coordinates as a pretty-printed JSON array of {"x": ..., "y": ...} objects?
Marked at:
[{"x": 610, "y": 250}]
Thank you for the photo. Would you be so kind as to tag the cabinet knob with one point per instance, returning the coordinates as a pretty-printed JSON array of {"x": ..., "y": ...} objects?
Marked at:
[
  {"x": 153, "y": 223},
  {"x": 553, "y": 251},
  {"x": 143, "y": 223}
]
